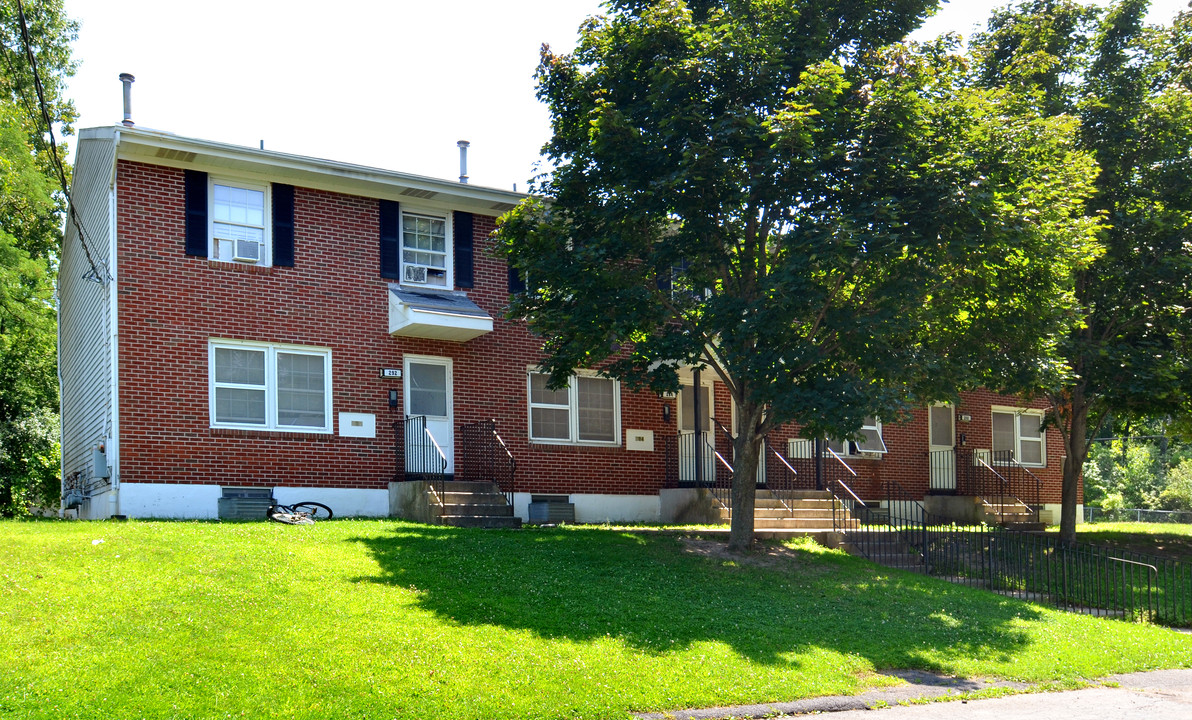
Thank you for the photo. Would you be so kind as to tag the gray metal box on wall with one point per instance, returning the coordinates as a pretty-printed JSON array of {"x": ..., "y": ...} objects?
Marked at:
[
  {"x": 245, "y": 503},
  {"x": 542, "y": 511}
]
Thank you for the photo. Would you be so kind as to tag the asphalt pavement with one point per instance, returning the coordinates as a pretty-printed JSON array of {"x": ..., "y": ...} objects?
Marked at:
[{"x": 1157, "y": 695}]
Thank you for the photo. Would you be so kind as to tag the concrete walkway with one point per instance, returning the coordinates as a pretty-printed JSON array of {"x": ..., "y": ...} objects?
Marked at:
[{"x": 1158, "y": 695}]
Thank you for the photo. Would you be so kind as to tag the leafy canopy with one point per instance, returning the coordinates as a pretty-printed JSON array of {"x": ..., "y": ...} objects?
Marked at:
[{"x": 835, "y": 225}]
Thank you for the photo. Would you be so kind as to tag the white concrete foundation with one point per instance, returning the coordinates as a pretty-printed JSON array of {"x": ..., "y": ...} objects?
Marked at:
[
  {"x": 162, "y": 500},
  {"x": 591, "y": 508},
  {"x": 201, "y": 502},
  {"x": 344, "y": 502}
]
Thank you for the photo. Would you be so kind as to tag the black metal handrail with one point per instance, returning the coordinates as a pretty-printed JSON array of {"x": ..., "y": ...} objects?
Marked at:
[
  {"x": 687, "y": 465},
  {"x": 424, "y": 458},
  {"x": 999, "y": 479},
  {"x": 484, "y": 457}
]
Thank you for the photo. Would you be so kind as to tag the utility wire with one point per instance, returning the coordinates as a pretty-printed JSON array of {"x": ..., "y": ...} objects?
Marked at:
[{"x": 45, "y": 117}]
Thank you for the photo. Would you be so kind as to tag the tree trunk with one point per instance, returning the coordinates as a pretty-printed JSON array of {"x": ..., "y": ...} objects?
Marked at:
[
  {"x": 1077, "y": 452},
  {"x": 746, "y": 453}
]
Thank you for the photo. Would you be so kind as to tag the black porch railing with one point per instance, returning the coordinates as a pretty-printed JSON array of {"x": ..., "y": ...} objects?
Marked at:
[
  {"x": 484, "y": 457},
  {"x": 422, "y": 457},
  {"x": 995, "y": 476},
  {"x": 692, "y": 460}
]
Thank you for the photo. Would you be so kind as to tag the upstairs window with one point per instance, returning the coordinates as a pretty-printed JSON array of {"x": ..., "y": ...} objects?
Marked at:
[
  {"x": 424, "y": 255},
  {"x": 239, "y": 230}
]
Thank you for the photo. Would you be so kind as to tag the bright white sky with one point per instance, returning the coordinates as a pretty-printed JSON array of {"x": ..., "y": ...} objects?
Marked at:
[{"x": 386, "y": 83}]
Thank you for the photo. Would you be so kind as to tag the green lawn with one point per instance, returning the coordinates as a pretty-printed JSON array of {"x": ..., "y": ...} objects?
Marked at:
[
  {"x": 1166, "y": 539},
  {"x": 381, "y": 619}
]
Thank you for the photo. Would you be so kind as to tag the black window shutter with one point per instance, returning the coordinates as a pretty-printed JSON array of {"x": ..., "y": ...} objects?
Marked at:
[
  {"x": 464, "y": 277},
  {"x": 283, "y": 225},
  {"x": 516, "y": 284},
  {"x": 196, "y": 212},
  {"x": 390, "y": 239}
]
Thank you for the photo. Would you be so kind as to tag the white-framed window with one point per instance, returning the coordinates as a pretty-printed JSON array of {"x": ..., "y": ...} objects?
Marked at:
[
  {"x": 263, "y": 386},
  {"x": 426, "y": 248},
  {"x": 238, "y": 217},
  {"x": 587, "y": 411},
  {"x": 1020, "y": 432},
  {"x": 870, "y": 440}
]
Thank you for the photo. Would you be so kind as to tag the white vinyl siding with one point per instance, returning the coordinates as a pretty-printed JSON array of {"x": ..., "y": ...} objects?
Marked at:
[
  {"x": 270, "y": 387},
  {"x": 86, "y": 364},
  {"x": 587, "y": 411}
]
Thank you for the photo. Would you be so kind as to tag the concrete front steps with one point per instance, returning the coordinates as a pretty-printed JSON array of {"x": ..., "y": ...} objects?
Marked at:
[
  {"x": 1012, "y": 515},
  {"x": 473, "y": 504},
  {"x": 803, "y": 510}
]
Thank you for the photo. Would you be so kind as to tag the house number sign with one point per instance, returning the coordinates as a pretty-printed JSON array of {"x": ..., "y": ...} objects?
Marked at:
[{"x": 390, "y": 372}]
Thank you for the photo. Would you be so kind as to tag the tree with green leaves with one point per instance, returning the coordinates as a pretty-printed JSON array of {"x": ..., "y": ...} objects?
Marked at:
[
  {"x": 1131, "y": 87},
  {"x": 33, "y": 33},
  {"x": 836, "y": 226}
]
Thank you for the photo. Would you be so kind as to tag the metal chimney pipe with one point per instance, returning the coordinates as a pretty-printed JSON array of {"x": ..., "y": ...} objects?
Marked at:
[
  {"x": 463, "y": 160},
  {"x": 128, "y": 80}
]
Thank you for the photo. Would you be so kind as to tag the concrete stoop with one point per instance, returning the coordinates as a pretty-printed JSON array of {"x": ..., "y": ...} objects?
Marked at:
[
  {"x": 807, "y": 510},
  {"x": 462, "y": 504}
]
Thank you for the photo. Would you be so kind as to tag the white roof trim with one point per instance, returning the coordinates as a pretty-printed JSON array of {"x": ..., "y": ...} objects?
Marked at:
[{"x": 143, "y": 145}]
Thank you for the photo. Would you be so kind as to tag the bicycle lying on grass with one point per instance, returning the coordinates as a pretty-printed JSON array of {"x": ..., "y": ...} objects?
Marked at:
[{"x": 303, "y": 513}]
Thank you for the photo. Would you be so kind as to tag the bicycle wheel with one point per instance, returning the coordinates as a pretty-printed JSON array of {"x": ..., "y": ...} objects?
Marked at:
[
  {"x": 287, "y": 515},
  {"x": 317, "y": 511}
]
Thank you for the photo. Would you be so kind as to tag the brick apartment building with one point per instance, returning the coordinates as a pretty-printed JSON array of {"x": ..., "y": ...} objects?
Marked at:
[{"x": 238, "y": 318}]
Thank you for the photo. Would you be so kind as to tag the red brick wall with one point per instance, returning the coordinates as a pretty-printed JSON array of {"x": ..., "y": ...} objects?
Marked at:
[{"x": 171, "y": 304}]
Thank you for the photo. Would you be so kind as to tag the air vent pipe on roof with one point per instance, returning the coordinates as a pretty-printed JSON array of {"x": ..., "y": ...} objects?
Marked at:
[
  {"x": 128, "y": 80},
  {"x": 463, "y": 160}
]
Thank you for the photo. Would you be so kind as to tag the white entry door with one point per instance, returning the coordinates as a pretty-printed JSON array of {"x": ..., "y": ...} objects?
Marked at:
[
  {"x": 941, "y": 424},
  {"x": 428, "y": 394},
  {"x": 691, "y": 451}
]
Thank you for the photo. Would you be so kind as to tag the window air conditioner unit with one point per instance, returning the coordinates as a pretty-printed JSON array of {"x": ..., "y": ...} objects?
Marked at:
[
  {"x": 415, "y": 273},
  {"x": 247, "y": 251}
]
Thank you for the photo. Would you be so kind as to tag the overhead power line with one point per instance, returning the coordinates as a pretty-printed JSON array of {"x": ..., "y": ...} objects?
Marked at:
[{"x": 60, "y": 171}]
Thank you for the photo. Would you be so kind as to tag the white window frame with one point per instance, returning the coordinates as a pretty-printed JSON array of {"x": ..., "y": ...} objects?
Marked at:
[
  {"x": 271, "y": 351},
  {"x": 266, "y": 259},
  {"x": 1017, "y": 449},
  {"x": 573, "y": 412},
  {"x": 448, "y": 245},
  {"x": 844, "y": 448}
]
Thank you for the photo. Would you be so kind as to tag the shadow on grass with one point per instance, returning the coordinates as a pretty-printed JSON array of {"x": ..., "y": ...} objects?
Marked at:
[{"x": 660, "y": 594}]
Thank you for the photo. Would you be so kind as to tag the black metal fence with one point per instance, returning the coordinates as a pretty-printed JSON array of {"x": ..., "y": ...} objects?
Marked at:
[
  {"x": 1086, "y": 578},
  {"x": 1092, "y": 579},
  {"x": 484, "y": 457}
]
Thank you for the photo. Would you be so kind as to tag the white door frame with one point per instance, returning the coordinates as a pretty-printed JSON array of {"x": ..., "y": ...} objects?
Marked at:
[
  {"x": 942, "y": 467},
  {"x": 687, "y": 469},
  {"x": 439, "y": 426}
]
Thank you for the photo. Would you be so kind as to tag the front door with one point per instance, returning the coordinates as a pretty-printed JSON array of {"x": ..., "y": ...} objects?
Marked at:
[
  {"x": 941, "y": 422},
  {"x": 692, "y": 452},
  {"x": 428, "y": 395}
]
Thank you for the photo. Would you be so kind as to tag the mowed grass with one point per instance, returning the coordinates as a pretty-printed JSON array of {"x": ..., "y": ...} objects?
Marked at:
[
  {"x": 1167, "y": 539},
  {"x": 384, "y": 619}
]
